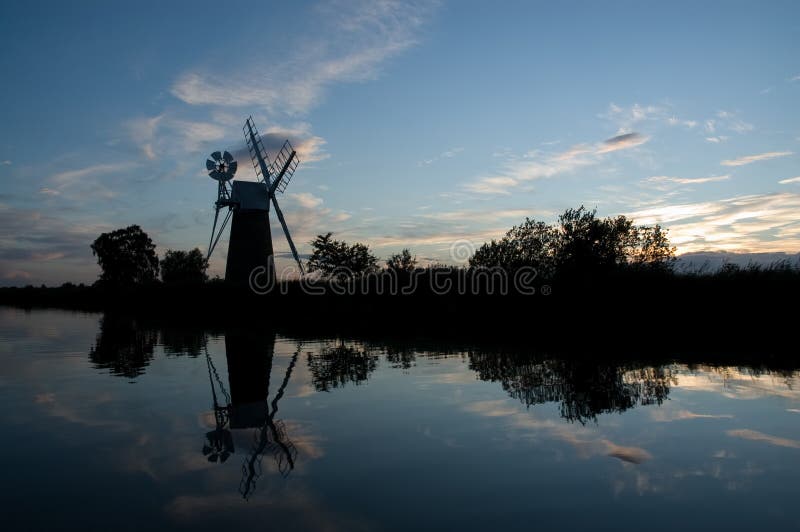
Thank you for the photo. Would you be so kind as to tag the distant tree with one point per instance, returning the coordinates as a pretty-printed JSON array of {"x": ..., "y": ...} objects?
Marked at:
[
  {"x": 531, "y": 244},
  {"x": 579, "y": 243},
  {"x": 402, "y": 262},
  {"x": 653, "y": 248},
  {"x": 337, "y": 257},
  {"x": 126, "y": 256},
  {"x": 187, "y": 267},
  {"x": 590, "y": 244}
]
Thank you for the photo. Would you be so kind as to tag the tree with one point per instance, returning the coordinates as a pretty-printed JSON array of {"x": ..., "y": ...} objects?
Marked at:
[
  {"x": 335, "y": 257},
  {"x": 126, "y": 256},
  {"x": 187, "y": 267},
  {"x": 587, "y": 243},
  {"x": 402, "y": 262},
  {"x": 579, "y": 243},
  {"x": 653, "y": 248},
  {"x": 530, "y": 244}
]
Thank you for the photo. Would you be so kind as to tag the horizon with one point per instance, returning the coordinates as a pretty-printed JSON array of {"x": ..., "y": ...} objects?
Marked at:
[{"x": 418, "y": 124}]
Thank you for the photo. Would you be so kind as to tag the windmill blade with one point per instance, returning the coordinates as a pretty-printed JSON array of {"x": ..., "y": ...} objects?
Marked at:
[
  {"x": 232, "y": 167},
  {"x": 257, "y": 153},
  {"x": 210, "y": 165},
  {"x": 286, "y": 232},
  {"x": 214, "y": 174},
  {"x": 217, "y": 156},
  {"x": 228, "y": 157}
]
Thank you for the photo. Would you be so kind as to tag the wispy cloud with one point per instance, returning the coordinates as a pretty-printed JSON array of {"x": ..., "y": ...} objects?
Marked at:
[
  {"x": 447, "y": 154},
  {"x": 356, "y": 39},
  {"x": 484, "y": 216},
  {"x": 534, "y": 165},
  {"x": 627, "y": 118},
  {"x": 86, "y": 183},
  {"x": 754, "y": 435},
  {"x": 748, "y": 159},
  {"x": 753, "y": 223},
  {"x": 306, "y": 200},
  {"x": 663, "y": 179},
  {"x": 621, "y": 142},
  {"x": 716, "y": 140},
  {"x": 790, "y": 180},
  {"x": 143, "y": 133}
]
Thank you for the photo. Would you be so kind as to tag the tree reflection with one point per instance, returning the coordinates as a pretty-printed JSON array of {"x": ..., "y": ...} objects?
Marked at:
[
  {"x": 123, "y": 346},
  {"x": 334, "y": 366},
  {"x": 583, "y": 388},
  {"x": 126, "y": 345}
]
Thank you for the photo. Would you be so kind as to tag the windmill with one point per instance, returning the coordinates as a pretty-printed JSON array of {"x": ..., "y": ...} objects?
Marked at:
[{"x": 248, "y": 204}]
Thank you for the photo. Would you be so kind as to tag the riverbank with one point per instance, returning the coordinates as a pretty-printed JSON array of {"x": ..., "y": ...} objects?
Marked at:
[{"x": 646, "y": 312}]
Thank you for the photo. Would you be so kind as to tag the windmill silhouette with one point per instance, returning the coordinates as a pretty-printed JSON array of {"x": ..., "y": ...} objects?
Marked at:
[{"x": 248, "y": 204}]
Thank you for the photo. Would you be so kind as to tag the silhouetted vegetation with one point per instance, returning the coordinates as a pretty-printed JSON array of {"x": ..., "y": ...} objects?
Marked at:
[
  {"x": 187, "y": 267},
  {"x": 336, "y": 258},
  {"x": 579, "y": 244},
  {"x": 126, "y": 256},
  {"x": 402, "y": 262}
]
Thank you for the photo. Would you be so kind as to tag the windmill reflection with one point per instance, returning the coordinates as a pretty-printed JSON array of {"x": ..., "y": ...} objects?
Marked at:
[{"x": 250, "y": 360}]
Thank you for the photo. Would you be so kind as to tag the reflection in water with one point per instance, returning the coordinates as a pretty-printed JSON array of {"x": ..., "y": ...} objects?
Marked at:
[
  {"x": 582, "y": 387},
  {"x": 123, "y": 346},
  {"x": 721, "y": 443},
  {"x": 334, "y": 366},
  {"x": 250, "y": 358}
]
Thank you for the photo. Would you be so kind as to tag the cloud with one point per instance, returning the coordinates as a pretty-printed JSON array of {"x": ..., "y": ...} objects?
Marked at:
[
  {"x": 621, "y": 142},
  {"x": 753, "y": 223},
  {"x": 790, "y": 180},
  {"x": 748, "y": 159},
  {"x": 354, "y": 41},
  {"x": 533, "y": 166},
  {"x": 795, "y": 78},
  {"x": 632, "y": 455},
  {"x": 662, "y": 181},
  {"x": 483, "y": 216},
  {"x": 626, "y": 118},
  {"x": 46, "y": 247},
  {"x": 731, "y": 121},
  {"x": 306, "y": 200},
  {"x": 716, "y": 140},
  {"x": 143, "y": 133},
  {"x": 493, "y": 185},
  {"x": 6, "y": 162},
  {"x": 448, "y": 154},
  {"x": 754, "y": 435},
  {"x": 89, "y": 182},
  {"x": 196, "y": 135},
  {"x": 662, "y": 415}
]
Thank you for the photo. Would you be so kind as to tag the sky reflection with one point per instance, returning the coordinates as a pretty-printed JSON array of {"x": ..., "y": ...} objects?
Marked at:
[{"x": 384, "y": 437}]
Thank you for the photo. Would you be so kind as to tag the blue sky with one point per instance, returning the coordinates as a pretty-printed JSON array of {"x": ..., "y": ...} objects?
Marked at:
[{"x": 418, "y": 124}]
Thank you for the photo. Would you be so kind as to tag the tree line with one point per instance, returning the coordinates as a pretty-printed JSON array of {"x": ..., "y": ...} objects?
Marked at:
[{"x": 579, "y": 243}]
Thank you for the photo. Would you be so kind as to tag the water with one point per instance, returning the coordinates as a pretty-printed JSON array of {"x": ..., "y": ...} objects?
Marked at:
[{"x": 111, "y": 424}]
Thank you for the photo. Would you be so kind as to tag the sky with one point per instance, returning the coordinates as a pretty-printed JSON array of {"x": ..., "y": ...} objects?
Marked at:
[{"x": 433, "y": 126}]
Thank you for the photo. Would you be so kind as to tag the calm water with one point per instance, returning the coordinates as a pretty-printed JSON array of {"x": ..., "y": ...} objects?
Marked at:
[{"x": 112, "y": 425}]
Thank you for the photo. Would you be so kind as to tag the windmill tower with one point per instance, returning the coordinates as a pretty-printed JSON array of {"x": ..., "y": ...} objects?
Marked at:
[{"x": 248, "y": 204}]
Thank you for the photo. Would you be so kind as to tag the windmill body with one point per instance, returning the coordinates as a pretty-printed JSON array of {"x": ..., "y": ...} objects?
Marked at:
[
  {"x": 250, "y": 244},
  {"x": 250, "y": 247}
]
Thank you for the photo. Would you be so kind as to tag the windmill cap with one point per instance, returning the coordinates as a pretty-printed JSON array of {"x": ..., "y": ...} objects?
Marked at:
[{"x": 251, "y": 195}]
